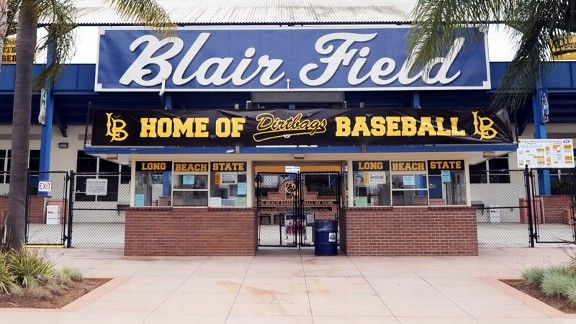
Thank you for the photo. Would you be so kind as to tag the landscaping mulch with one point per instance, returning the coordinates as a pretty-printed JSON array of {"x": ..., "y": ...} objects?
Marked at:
[
  {"x": 560, "y": 303},
  {"x": 74, "y": 291}
]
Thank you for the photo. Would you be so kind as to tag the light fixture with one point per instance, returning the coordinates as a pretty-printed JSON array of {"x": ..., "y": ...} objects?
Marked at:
[
  {"x": 489, "y": 154},
  {"x": 63, "y": 145}
]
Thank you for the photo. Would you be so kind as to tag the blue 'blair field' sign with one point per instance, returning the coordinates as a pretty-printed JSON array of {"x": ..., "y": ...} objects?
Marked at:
[{"x": 280, "y": 59}]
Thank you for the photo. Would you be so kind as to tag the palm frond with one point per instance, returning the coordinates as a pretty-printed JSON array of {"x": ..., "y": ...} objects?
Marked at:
[
  {"x": 60, "y": 38},
  {"x": 11, "y": 22},
  {"x": 538, "y": 24},
  {"x": 436, "y": 23},
  {"x": 146, "y": 12},
  {"x": 542, "y": 25}
]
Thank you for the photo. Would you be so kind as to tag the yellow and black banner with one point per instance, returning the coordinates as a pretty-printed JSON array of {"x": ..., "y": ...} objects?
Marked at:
[
  {"x": 190, "y": 166},
  {"x": 446, "y": 165},
  {"x": 9, "y": 50},
  {"x": 335, "y": 127},
  {"x": 154, "y": 166},
  {"x": 370, "y": 166}
]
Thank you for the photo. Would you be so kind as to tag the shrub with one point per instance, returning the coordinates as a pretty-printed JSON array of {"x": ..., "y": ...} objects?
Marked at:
[
  {"x": 36, "y": 290},
  {"x": 72, "y": 273},
  {"x": 55, "y": 287},
  {"x": 28, "y": 267},
  {"x": 62, "y": 278},
  {"x": 570, "y": 294},
  {"x": 533, "y": 276},
  {"x": 7, "y": 279},
  {"x": 556, "y": 283}
]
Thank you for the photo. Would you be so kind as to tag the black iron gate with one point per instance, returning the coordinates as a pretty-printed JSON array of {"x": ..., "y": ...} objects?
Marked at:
[
  {"x": 76, "y": 209},
  {"x": 552, "y": 217},
  {"x": 512, "y": 212},
  {"x": 287, "y": 204},
  {"x": 48, "y": 208}
]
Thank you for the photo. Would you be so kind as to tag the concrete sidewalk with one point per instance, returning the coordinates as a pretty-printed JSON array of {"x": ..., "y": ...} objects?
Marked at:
[{"x": 294, "y": 286}]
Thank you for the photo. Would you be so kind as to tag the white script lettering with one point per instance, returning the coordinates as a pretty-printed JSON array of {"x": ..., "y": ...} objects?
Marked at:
[
  {"x": 382, "y": 70},
  {"x": 212, "y": 71}
]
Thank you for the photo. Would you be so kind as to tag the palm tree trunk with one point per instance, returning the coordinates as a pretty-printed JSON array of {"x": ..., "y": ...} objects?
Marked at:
[
  {"x": 21, "y": 115},
  {"x": 3, "y": 23}
]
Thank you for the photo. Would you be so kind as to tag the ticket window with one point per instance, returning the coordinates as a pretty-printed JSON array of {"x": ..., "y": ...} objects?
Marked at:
[
  {"x": 152, "y": 183},
  {"x": 190, "y": 184},
  {"x": 447, "y": 182},
  {"x": 371, "y": 183},
  {"x": 409, "y": 183},
  {"x": 228, "y": 184}
]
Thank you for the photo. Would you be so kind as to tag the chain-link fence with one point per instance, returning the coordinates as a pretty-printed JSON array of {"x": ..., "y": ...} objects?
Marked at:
[
  {"x": 100, "y": 200},
  {"x": 504, "y": 213},
  {"x": 276, "y": 206},
  {"x": 501, "y": 209},
  {"x": 553, "y": 215},
  {"x": 47, "y": 210}
]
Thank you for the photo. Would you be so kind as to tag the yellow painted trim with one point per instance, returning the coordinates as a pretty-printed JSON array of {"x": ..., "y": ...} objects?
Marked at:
[
  {"x": 42, "y": 246},
  {"x": 270, "y": 168},
  {"x": 320, "y": 168},
  {"x": 303, "y": 168}
]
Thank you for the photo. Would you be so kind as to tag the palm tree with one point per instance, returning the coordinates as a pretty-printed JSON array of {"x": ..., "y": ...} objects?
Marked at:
[
  {"x": 538, "y": 25},
  {"x": 3, "y": 22},
  {"x": 60, "y": 39}
]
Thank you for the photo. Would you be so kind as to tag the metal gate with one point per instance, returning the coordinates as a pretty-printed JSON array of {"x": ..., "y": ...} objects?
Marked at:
[
  {"x": 511, "y": 212},
  {"x": 100, "y": 201},
  {"x": 552, "y": 217},
  {"x": 287, "y": 204},
  {"x": 84, "y": 210},
  {"x": 48, "y": 220}
]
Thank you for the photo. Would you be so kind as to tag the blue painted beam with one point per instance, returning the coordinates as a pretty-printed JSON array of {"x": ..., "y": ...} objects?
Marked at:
[
  {"x": 303, "y": 150},
  {"x": 540, "y": 132},
  {"x": 80, "y": 77},
  {"x": 46, "y": 139},
  {"x": 416, "y": 100}
]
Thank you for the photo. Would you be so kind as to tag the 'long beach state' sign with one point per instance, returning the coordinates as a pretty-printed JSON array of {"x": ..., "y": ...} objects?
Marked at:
[{"x": 279, "y": 59}]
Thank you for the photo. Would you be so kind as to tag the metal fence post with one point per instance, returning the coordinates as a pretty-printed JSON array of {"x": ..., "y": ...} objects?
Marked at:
[
  {"x": 71, "y": 178},
  {"x": 27, "y": 207},
  {"x": 529, "y": 202}
]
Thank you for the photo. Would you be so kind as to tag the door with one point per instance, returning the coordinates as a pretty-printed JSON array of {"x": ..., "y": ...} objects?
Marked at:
[{"x": 287, "y": 204}]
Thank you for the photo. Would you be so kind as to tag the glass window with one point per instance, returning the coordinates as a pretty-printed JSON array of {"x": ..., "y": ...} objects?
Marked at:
[
  {"x": 498, "y": 170},
  {"x": 409, "y": 183},
  {"x": 153, "y": 183},
  {"x": 190, "y": 184},
  {"x": 34, "y": 162},
  {"x": 447, "y": 185},
  {"x": 371, "y": 183},
  {"x": 228, "y": 186},
  {"x": 562, "y": 181},
  {"x": 86, "y": 163},
  {"x": 478, "y": 173},
  {"x": 125, "y": 174},
  {"x": 495, "y": 170},
  {"x": 90, "y": 167}
]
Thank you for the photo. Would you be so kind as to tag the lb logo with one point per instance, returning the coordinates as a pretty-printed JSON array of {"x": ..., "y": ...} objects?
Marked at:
[
  {"x": 483, "y": 127},
  {"x": 115, "y": 129}
]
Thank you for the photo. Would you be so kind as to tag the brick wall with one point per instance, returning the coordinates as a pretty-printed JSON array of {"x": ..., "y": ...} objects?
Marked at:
[
  {"x": 189, "y": 231},
  {"x": 554, "y": 209},
  {"x": 411, "y": 231},
  {"x": 36, "y": 209}
]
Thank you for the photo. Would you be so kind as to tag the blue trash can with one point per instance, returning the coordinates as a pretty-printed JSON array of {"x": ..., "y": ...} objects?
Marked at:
[{"x": 325, "y": 237}]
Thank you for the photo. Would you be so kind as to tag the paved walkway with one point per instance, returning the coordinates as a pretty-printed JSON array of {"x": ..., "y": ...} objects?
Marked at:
[{"x": 291, "y": 286}]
